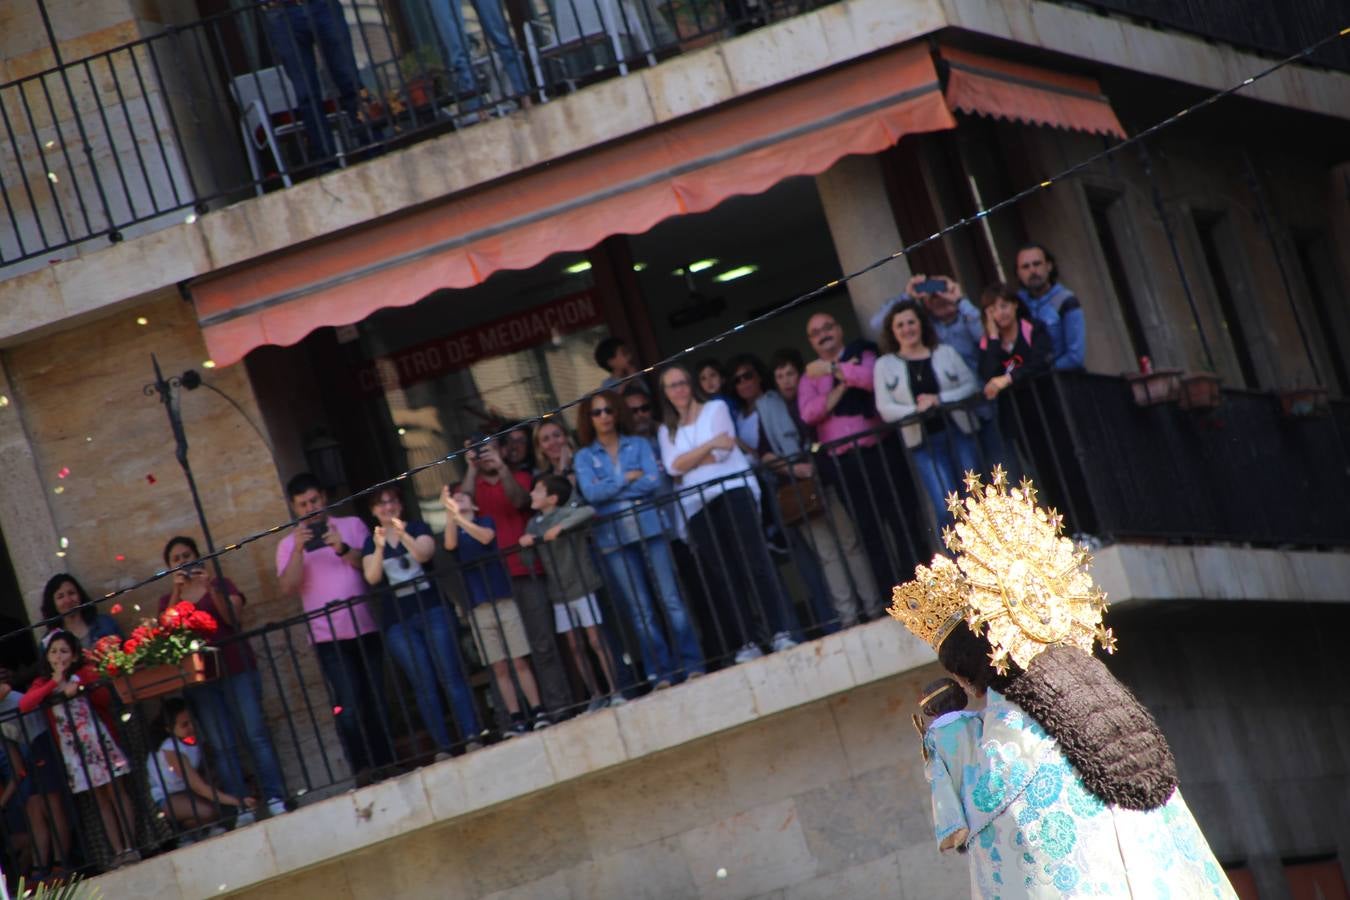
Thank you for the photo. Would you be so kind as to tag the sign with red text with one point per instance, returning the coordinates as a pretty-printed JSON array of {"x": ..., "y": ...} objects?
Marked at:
[{"x": 509, "y": 334}]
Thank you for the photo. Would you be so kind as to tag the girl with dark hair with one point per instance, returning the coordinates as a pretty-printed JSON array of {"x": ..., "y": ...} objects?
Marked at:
[
  {"x": 1069, "y": 788},
  {"x": 1015, "y": 346},
  {"x": 712, "y": 378},
  {"x": 915, "y": 374},
  {"x": 229, "y": 707},
  {"x": 79, "y": 716},
  {"x": 65, "y": 597},
  {"x": 176, "y": 782}
]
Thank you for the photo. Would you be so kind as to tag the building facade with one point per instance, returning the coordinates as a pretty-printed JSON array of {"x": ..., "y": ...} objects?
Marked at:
[{"x": 663, "y": 180}]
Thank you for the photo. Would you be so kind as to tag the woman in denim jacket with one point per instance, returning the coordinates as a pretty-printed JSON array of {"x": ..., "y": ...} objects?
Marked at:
[{"x": 619, "y": 475}]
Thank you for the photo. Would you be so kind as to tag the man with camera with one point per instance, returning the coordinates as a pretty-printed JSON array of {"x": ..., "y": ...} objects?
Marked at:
[
  {"x": 503, "y": 494},
  {"x": 320, "y": 562}
]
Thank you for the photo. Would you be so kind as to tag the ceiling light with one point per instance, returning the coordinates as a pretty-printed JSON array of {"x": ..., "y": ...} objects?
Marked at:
[
  {"x": 639, "y": 267},
  {"x": 578, "y": 268},
  {"x": 738, "y": 272},
  {"x": 702, "y": 264},
  {"x": 678, "y": 272}
]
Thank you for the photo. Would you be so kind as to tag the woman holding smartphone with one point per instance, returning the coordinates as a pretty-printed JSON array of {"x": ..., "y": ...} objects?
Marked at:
[{"x": 231, "y": 705}]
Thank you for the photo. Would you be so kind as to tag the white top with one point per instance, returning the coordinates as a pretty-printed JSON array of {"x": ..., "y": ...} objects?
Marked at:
[
  {"x": 713, "y": 419},
  {"x": 165, "y": 782},
  {"x": 895, "y": 399}
]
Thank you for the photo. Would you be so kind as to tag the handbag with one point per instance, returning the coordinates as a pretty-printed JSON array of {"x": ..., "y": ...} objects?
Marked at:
[{"x": 800, "y": 500}]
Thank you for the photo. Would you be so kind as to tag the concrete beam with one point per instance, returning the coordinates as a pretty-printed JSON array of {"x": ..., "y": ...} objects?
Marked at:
[{"x": 97, "y": 282}]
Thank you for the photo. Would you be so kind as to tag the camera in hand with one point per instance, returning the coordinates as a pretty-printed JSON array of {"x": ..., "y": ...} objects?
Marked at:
[
  {"x": 931, "y": 286},
  {"x": 318, "y": 527}
]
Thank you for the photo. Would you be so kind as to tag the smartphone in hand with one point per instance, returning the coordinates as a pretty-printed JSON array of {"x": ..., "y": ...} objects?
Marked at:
[{"x": 318, "y": 528}]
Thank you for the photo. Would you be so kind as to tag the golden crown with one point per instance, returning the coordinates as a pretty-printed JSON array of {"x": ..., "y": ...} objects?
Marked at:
[
  {"x": 1016, "y": 577},
  {"x": 933, "y": 603}
]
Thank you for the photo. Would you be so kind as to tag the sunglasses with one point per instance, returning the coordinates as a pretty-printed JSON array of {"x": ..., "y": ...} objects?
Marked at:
[
  {"x": 641, "y": 407},
  {"x": 598, "y": 411},
  {"x": 743, "y": 377}
]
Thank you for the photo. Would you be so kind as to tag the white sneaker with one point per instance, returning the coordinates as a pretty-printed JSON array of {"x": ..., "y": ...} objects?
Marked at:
[
  {"x": 245, "y": 818},
  {"x": 747, "y": 653},
  {"x": 783, "y": 641},
  {"x": 617, "y": 700},
  {"x": 276, "y": 806}
]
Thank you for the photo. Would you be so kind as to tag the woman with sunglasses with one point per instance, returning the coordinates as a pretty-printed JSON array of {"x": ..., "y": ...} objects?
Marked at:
[
  {"x": 618, "y": 474},
  {"x": 720, "y": 496}
]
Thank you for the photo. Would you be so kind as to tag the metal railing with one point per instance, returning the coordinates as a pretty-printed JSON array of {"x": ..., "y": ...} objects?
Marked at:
[
  {"x": 147, "y": 133},
  {"x": 678, "y": 584},
  {"x": 1277, "y": 29}
]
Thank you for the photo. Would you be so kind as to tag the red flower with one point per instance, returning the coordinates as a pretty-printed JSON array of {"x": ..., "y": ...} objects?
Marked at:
[
  {"x": 131, "y": 645},
  {"x": 116, "y": 608},
  {"x": 107, "y": 644},
  {"x": 185, "y": 608},
  {"x": 112, "y": 670},
  {"x": 140, "y": 632},
  {"x": 202, "y": 622}
]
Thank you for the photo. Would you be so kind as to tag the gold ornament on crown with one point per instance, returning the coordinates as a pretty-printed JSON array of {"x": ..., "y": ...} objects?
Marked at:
[
  {"x": 933, "y": 603},
  {"x": 1016, "y": 578}
]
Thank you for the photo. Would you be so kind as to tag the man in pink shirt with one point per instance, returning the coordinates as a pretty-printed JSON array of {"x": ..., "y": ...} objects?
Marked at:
[
  {"x": 503, "y": 494},
  {"x": 320, "y": 562},
  {"x": 870, "y": 472}
]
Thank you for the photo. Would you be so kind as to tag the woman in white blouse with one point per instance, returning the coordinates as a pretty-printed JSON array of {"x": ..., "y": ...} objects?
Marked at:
[
  {"x": 720, "y": 497},
  {"x": 916, "y": 374}
]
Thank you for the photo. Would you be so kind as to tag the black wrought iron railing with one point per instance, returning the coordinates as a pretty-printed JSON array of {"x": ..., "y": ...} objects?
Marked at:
[
  {"x": 123, "y": 141},
  {"x": 1278, "y": 29},
  {"x": 672, "y": 585}
]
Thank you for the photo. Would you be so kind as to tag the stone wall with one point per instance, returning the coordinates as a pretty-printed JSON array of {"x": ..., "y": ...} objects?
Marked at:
[{"x": 77, "y": 407}]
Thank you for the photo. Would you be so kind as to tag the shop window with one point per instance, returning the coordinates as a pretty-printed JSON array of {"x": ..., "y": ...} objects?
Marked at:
[
  {"x": 1316, "y": 879},
  {"x": 459, "y": 363}
]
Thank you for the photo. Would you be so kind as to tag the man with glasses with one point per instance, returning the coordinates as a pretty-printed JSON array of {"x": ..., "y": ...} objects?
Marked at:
[{"x": 834, "y": 396}]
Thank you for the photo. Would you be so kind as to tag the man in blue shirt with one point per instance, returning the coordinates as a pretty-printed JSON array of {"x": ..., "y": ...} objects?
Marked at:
[{"x": 1053, "y": 304}]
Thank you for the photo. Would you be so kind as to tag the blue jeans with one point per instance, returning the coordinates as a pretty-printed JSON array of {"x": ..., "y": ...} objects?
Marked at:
[
  {"x": 629, "y": 567},
  {"x": 230, "y": 707},
  {"x": 353, "y": 670},
  {"x": 941, "y": 461},
  {"x": 448, "y": 16},
  {"x": 425, "y": 648},
  {"x": 998, "y": 450},
  {"x": 293, "y": 31}
]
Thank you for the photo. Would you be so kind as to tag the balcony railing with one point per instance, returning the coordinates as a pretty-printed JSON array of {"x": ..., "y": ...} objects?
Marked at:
[
  {"x": 706, "y": 578},
  {"x": 150, "y": 132},
  {"x": 1277, "y": 29}
]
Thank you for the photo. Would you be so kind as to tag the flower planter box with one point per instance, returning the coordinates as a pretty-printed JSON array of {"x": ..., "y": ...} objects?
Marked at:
[
  {"x": 1305, "y": 403},
  {"x": 1153, "y": 388},
  {"x": 157, "y": 681},
  {"x": 1199, "y": 391}
]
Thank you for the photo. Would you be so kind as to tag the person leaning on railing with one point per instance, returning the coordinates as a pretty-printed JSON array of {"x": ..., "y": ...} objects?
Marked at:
[
  {"x": 1015, "y": 347},
  {"x": 719, "y": 494},
  {"x": 619, "y": 475},
  {"x": 916, "y": 374}
]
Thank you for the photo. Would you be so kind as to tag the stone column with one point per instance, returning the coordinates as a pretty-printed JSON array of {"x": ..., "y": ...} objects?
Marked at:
[
  {"x": 25, "y": 517},
  {"x": 858, "y": 210}
]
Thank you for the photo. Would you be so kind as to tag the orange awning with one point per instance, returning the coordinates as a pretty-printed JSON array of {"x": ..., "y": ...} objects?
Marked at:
[
  {"x": 625, "y": 188},
  {"x": 987, "y": 86}
]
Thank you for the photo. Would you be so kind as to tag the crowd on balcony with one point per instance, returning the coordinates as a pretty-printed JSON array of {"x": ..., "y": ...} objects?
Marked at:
[{"x": 702, "y": 519}]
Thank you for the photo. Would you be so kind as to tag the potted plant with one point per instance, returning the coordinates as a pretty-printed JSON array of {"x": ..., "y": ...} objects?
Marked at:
[
  {"x": 1199, "y": 391},
  {"x": 423, "y": 76},
  {"x": 161, "y": 655},
  {"x": 1151, "y": 387},
  {"x": 1305, "y": 402}
]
